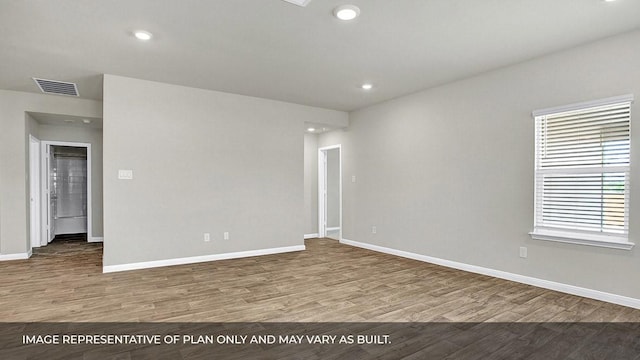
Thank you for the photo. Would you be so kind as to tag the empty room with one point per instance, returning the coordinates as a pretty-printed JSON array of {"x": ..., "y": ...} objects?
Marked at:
[{"x": 314, "y": 179}]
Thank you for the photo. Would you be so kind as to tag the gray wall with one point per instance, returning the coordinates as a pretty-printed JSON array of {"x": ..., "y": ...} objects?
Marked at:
[
  {"x": 448, "y": 172},
  {"x": 84, "y": 135},
  {"x": 33, "y": 127},
  {"x": 310, "y": 183},
  {"x": 203, "y": 161},
  {"x": 14, "y": 144}
]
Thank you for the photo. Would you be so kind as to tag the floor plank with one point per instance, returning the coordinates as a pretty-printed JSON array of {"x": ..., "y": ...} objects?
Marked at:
[{"x": 327, "y": 282}]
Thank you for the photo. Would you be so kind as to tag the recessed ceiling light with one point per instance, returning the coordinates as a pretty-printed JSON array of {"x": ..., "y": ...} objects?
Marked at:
[
  {"x": 311, "y": 129},
  {"x": 143, "y": 35},
  {"x": 367, "y": 86},
  {"x": 346, "y": 12},
  {"x": 609, "y": 0},
  {"x": 86, "y": 121}
]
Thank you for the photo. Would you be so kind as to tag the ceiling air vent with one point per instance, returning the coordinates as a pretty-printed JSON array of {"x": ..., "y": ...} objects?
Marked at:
[{"x": 57, "y": 87}]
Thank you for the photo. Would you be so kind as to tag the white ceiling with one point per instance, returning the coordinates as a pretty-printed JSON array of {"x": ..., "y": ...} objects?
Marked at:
[{"x": 277, "y": 50}]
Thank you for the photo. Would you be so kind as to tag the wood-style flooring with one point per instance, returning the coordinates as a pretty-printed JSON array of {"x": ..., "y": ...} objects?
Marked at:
[{"x": 327, "y": 282}]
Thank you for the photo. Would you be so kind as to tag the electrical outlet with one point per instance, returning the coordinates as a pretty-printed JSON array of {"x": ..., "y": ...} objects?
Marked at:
[
  {"x": 374, "y": 230},
  {"x": 353, "y": 178},
  {"x": 226, "y": 235},
  {"x": 207, "y": 237},
  {"x": 523, "y": 252}
]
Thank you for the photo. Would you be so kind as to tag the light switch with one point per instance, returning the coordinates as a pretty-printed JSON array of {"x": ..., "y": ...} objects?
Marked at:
[{"x": 125, "y": 174}]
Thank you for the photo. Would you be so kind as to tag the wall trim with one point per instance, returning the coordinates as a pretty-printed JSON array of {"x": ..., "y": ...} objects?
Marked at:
[
  {"x": 593, "y": 103},
  {"x": 18, "y": 256},
  {"x": 199, "y": 259},
  {"x": 546, "y": 284},
  {"x": 96, "y": 239},
  {"x": 310, "y": 236}
]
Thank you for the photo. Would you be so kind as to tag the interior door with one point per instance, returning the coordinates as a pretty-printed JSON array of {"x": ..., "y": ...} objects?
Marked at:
[
  {"x": 322, "y": 193},
  {"x": 34, "y": 191},
  {"x": 50, "y": 173},
  {"x": 330, "y": 192}
]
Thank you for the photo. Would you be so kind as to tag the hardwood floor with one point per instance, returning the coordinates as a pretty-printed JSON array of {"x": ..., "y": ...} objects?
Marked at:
[{"x": 327, "y": 282}]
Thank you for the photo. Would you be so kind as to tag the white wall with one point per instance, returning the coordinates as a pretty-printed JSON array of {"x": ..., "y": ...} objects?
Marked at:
[
  {"x": 203, "y": 161},
  {"x": 14, "y": 144},
  {"x": 448, "y": 172},
  {"x": 310, "y": 183}
]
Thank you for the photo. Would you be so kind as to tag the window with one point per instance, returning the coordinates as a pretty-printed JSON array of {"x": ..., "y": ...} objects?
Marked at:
[{"x": 582, "y": 173}]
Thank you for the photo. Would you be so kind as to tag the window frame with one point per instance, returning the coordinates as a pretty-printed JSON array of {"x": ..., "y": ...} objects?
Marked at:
[{"x": 573, "y": 236}]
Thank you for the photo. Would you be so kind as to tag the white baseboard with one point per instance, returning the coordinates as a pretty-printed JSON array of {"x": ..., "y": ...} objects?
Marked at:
[
  {"x": 546, "y": 284},
  {"x": 310, "y": 236},
  {"x": 19, "y": 256},
  {"x": 95, "y": 239},
  {"x": 199, "y": 259}
]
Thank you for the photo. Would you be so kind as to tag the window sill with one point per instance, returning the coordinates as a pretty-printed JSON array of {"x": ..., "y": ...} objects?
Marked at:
[{"x": 607, "y": 241}]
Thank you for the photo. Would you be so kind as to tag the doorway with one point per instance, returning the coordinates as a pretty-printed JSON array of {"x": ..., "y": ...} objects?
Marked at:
[
  {"x": 330, "y": 192},
  {"x": 65, "y": 179}
]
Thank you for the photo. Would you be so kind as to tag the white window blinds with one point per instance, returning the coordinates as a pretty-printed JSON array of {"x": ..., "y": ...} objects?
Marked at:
[{"x": 582, "y": 170}]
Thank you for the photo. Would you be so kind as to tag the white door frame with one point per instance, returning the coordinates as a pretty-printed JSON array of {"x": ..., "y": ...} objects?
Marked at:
[
  {"x": 46, "y": 155},
  {"x": 322, "y": 189},
  {"x": 34, "y": 191}
]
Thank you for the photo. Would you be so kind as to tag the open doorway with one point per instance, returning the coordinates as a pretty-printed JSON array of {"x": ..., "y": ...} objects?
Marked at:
[
  {"x": 330, "y": 192},
  {"x": 66, "y": 191}
]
